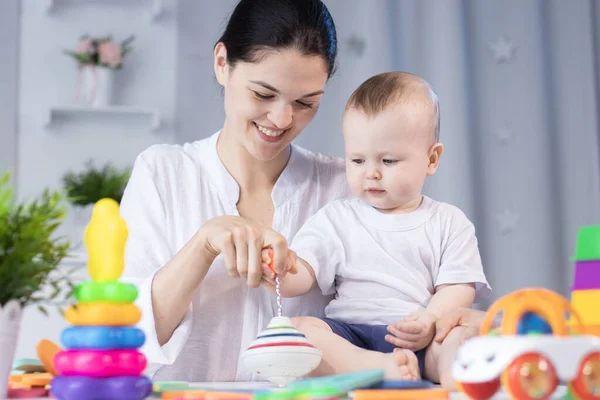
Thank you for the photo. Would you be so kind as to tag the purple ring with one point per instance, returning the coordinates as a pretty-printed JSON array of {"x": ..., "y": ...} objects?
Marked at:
[{"x": 111, "y": 388}]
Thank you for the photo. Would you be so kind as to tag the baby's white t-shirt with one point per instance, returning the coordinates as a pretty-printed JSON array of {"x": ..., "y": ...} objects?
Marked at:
[{"x": 381, "y": 267}]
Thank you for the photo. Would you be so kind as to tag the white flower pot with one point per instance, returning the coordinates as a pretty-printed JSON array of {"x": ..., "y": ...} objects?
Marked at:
[
  {"x": 10, "y": 321},
  {"x": 81, "y": 218},
  {"x": 96, "y": 86}
]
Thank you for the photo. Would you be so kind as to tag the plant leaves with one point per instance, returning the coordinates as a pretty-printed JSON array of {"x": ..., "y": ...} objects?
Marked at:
[{"x": 92, "y": 184}]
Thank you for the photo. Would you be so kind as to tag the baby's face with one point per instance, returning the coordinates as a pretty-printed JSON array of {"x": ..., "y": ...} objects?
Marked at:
[{"x": 387, "y": 157}]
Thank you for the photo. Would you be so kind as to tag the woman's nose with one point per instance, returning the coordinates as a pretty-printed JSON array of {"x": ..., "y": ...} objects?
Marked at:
[{"x": 282, "y": 116}]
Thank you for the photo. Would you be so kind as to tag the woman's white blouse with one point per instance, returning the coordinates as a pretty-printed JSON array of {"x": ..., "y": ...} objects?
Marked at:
[{"x": 172, "y": 192}]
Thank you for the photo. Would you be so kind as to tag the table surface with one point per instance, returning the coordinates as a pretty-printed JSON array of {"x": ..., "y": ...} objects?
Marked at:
[{"x": 453, "y": 396}]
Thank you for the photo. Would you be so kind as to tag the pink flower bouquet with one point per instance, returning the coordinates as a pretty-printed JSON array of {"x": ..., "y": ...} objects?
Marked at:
[{"x": 103, "y": 52}]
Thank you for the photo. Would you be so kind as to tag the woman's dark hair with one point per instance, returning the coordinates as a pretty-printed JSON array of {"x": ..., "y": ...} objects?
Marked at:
[{"x": 256, "y": 25}]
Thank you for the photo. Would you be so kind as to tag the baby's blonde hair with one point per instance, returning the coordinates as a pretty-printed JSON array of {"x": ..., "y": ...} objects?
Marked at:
[{"x": 379, "y": 92}]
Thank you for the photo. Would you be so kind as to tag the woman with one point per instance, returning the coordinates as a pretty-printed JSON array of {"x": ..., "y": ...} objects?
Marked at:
[{"x": 199, "y": 214}]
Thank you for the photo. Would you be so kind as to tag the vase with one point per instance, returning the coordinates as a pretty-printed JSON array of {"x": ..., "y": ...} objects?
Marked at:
[
  {"x": 10, "y": 321},
  {"x": 81, "y": 218},
  {"x": 95, "y": 86}
]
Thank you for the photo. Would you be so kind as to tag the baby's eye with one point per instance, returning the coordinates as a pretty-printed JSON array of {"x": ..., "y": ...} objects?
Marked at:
[
  {"x": 490, "y": 358},
  {"x": 389, "y": 162},
  {"x": 357, "y": 161}
]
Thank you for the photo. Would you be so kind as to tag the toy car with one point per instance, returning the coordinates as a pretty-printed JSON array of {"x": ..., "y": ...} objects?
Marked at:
[
  {"x": 532, "y": 351},
  {"x": 528, "y": 367}
]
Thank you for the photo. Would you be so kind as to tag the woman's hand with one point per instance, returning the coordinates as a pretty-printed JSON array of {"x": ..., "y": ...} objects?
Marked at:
[{"x": 241, "y": 242}]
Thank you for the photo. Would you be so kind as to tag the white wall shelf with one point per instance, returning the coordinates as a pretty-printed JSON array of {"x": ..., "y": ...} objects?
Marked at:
[
  {"x": 154, "y": 13},
  {"x": 113, "y": 112}
]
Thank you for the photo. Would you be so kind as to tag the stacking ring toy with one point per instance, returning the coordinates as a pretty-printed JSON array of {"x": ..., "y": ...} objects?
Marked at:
[
  {"x": 36, "y": 380},
  {"x": 102, "y": 337},
  {"x": 114, "y": 388},
  {"x": 24, "y": 393},
  {"x": 111, "y": 292},
  {"x": 103, "y": 314},
  {"x": 100, "y": 363}
]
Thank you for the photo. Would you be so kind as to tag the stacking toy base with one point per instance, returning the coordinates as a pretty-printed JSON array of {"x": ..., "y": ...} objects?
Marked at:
[{"x": 114, "y": 388}]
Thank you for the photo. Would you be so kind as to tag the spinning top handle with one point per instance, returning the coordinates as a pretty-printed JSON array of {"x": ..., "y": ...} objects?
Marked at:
[{"x": 271, "y": 255}]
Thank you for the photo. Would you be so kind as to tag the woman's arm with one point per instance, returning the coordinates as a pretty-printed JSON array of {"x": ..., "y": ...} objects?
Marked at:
[{"x": 174, "y": 285}]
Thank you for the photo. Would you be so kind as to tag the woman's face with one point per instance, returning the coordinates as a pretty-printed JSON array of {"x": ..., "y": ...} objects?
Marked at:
[{"x": 270, "y": 101}]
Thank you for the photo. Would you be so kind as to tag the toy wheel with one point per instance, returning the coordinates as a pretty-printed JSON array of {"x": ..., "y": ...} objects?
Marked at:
[
  {"x": 479, "y": 391},
  {"x": 530, "y": 376},
  {"x": 586, "y": 385}
]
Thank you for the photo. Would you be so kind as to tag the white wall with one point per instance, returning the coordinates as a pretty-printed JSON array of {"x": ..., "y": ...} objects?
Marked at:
[
  {"x": 9, "y": 44},
  {"x": 47, "y": 78}
]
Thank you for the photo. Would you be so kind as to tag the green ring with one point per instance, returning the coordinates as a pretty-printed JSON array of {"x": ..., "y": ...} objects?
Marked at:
[{"x": 111, "y": 292}]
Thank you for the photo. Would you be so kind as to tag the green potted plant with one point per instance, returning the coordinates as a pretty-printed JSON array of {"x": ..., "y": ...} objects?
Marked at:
[
  {"x": 85, "y": 188},
  {"x": 30, "y": 255}
]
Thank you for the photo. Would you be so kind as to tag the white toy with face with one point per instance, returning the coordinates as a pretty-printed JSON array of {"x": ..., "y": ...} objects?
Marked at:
[{"x": 484, "y": 358}]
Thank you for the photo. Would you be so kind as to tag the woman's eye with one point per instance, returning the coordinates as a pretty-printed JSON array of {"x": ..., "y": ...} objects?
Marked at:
[
  {"x": 390, "y": 162},
  {"x": 305, "y": 105},
  {"x": 263, "y": 96},
  {"x": 357, "y": 161}
]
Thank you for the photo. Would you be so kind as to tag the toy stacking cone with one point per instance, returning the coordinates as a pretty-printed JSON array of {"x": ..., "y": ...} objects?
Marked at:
[
  {"x": 101, "y": 360},
  {"x": 585, "y": 293}
]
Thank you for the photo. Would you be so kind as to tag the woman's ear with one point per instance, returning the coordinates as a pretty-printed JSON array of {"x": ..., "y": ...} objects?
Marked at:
[
  {"x": 435, "y": 153},
  {"x": 220, "y": 63}
]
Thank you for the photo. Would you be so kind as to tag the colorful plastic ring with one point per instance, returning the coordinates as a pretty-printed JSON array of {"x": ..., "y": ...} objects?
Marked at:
[
  {"x": 100, "y": 363},
  {"x": 37, "y": 380},
  {"x": 112, "y": 292},
  {"x": 114, "y": 388},
  {"x": 110, "y": 314},
  {"x": 102, "y": 337},
  {"x": 22, "y": 393}
]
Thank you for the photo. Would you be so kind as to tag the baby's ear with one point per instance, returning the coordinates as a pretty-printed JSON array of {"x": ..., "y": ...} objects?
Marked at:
[{"x": 435, "y": 153}]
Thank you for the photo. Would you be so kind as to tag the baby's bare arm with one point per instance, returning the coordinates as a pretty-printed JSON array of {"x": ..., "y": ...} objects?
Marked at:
[
  {"x": 448, "y": 298},
  {"x": 297, "y": 279},
  {"x": 301, "y": 282}
]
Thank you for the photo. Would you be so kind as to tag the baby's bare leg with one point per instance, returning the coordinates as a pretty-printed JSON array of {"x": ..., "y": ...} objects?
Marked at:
[
  {"x": 439, "y": 357},
  {"x": 341, "y": 356}
]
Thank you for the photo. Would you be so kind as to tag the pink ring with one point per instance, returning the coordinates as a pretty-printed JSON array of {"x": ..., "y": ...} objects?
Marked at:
[{"x": 99, "y": 363}]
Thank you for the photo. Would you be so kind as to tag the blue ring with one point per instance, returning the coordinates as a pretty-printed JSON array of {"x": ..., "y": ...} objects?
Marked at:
[{"x": 102, "y": 337}]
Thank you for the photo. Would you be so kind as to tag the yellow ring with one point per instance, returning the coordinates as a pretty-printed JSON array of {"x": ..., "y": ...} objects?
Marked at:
[{"x": 111, "y": 314}]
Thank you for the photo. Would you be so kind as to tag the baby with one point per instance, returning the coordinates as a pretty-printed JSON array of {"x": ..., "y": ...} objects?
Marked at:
[{"x": 389, "y": 253}]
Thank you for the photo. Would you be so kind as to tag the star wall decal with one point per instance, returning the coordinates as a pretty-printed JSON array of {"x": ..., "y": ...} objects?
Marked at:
[
  {"x": 505, "y": 134},
  {"x": 507, "y": 221},
  {"x": 503, "y": 49}
]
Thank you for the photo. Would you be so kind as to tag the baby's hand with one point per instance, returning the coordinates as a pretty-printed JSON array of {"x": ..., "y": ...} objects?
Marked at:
[
  {"x": 268, "y": 271},
  {"x": 414, "y": 332}
]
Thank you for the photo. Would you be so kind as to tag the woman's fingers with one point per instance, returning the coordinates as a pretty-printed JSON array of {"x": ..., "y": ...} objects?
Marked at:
[
  {"x": 227, "y": 248},
  {"x": 268, "y": 275},
  {"x": 254, "y": 251},
  {"x": 241, "y": 250}
]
